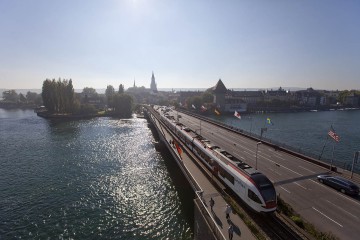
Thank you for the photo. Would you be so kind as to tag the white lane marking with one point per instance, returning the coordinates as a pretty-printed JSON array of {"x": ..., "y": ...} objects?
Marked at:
[
  {"x": 301, "y": 186},
  {"x": 327, "y": 217},
  {"x": 277, "y": 153},
  {"x": 281, "y": 165},
  {"x": 339, "y": 194},
  {"x": 275, "y": 171},
  {"x": 306, "y": 169},
  {"x": 342, "y": 209},
  {"x": 285, "y": 190},
  {"x": 247, "y": 152}
]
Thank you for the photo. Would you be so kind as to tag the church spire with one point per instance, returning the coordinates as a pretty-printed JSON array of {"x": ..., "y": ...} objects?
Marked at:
[{"x": 153, "y": 83}]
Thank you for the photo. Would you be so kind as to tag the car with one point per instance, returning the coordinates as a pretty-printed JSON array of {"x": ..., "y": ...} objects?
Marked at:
[{"x": 341, "y": 184}]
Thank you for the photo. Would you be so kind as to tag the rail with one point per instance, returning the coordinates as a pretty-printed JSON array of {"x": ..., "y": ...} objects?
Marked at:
[{"x": 202, "y": 207}]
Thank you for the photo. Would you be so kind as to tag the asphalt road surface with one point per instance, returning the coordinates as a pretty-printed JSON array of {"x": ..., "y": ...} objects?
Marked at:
[{"x": 294, "y": 179}]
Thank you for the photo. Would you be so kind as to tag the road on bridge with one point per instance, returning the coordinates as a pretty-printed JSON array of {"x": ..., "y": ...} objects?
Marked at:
[{"x": 294, "y": 179}]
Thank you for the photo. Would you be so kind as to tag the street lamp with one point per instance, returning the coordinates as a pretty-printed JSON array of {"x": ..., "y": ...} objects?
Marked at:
[{"x": 257, "y": 147}]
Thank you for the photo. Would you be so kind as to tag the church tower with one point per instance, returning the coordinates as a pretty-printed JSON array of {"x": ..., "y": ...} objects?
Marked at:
[
  {"x": 219, "y": 92},
  {"x": 153, "y": 87}
]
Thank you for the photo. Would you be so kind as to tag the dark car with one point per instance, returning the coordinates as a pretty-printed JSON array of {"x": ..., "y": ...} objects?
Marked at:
[{"x": 339, "y": 183}]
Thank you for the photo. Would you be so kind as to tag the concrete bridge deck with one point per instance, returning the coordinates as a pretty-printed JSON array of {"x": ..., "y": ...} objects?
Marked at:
[{"x": 217, "y": 216}]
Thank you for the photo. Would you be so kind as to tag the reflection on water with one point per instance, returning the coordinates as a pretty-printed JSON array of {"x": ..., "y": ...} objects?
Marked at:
[{"x": 87, "y": 179}]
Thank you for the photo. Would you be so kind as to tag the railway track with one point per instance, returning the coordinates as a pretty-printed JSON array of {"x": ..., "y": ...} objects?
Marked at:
[{"x": 271, "y": 225}]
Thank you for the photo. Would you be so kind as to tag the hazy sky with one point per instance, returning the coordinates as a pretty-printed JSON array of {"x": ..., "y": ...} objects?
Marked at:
[{"x": 187, "y": 43}]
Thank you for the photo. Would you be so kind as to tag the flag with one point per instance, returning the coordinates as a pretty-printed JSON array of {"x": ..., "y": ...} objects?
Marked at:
[
  {"x": 217, "y": 112},
  {"x": 178, "y": 148},
  {"x": 333, "y": 134},
  {"x": 268, "y": 120},
  {"x": 193, "y": 106},
  {"x": 203, "y": 109},
  {"x": 236, "y": 114}
]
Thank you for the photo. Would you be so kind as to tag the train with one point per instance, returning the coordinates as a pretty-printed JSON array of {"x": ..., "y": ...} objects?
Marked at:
[{"x": 250, "y": 185}]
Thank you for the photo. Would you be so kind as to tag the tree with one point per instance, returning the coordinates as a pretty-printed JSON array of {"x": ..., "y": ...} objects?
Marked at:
[
  {"x": 123, "y": 104},
  {"x": 22, "y": 98},
  {"x": 109, "y": 92},
  {"x": 58, "y": 96},
  {"x": 89, "y": 91},
  {"x": 207, "y": 97},
  {"x": 10, "y": 96},
  {"x": 121, "y": 89},
  {"x": 32, "y": 97}
]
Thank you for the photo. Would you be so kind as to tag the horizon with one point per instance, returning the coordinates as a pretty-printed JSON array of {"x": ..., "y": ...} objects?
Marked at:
[{"x": 249, "y": 45}]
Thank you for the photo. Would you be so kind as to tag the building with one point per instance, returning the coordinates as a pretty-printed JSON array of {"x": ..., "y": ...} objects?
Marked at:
[
  {"x": 226, "y": 100},
  {"x": 153, "y": 87}
]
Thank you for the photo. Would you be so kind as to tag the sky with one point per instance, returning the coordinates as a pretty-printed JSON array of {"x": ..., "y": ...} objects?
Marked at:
[{"x": 186, "y": 43}]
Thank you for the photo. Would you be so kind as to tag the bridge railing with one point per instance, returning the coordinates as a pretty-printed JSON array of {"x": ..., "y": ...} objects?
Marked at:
[
  {"x": 199, "y": 192},
  {"x": 342, "y": 166}
]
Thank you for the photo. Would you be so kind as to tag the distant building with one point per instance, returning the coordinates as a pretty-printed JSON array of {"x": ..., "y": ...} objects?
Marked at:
[
  {"x": 153, "y": 87},
  {"x": 219, "y": 91},
  {"x": 352, "y": 100},
  {"x": 226, "y": 100},
  {"x": 308, "y": 97}
]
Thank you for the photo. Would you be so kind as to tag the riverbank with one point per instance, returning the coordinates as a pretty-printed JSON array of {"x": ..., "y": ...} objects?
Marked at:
[
  {"x": 69, "y": 116},
  {"x": 13, "y": 105}
]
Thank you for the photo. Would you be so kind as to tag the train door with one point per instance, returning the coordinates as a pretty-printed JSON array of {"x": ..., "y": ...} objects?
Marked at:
[{"x": 240, "y": 189}]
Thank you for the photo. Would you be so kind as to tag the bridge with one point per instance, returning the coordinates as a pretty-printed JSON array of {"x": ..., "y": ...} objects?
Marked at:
[
  {"x": 294, "y": 177},
  {"x": 213, "y": 224}
]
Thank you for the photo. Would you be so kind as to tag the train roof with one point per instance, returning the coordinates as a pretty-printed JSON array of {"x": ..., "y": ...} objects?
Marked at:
[
  {"x": 222, "y": 154},
  {"x": 237, "y": 162},
  {"x": 261, "y": 181}
]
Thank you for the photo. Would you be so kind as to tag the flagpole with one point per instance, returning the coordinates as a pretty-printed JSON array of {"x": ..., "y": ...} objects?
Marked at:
[
  {"x": 251, "y": 125},
  {"x": 331, "y": 163},
  {"x": 322, "y": 151}
]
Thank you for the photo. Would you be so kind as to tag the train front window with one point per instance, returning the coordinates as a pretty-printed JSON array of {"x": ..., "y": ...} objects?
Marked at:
[
  {"x": 253, "y": 196},
  {"x": 265, "y": 187},
  {"x": 268, "y": 194}
]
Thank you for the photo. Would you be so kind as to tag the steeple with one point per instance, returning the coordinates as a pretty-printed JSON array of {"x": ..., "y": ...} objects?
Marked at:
[
  {"x": 134, "y": 83},
  {"x": 153, "y": 83}
]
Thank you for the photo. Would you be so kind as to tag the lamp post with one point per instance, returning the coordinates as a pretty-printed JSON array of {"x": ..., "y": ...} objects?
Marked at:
[
  {"x": 355, "y": 160},
  {"x": 257, "y": 147}
]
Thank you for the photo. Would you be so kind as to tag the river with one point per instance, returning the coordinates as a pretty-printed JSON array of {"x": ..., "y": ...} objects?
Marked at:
[{"x": 88, "y": 179}]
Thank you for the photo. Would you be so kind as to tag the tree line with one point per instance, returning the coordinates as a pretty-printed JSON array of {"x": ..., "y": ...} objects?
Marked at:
[
  {"x": 11, "y": 96},
  {"x": 59, "y": 97}
]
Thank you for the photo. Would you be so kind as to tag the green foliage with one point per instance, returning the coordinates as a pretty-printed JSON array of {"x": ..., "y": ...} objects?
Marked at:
[
  {"x": 87, "y": 109},
  {"x": 10, "y": 96},
  {"x": 207, "y": 97},
  {"x": 33, "y": 97},
  {"x": 195, "y": 100},
  {"x": 58, "y": 96},
  {"x": 121, "y": 89},
  {"x": 89, "y": 91},
  {"x": 22, "y": 98},
  {"x": 298, "y": 221},
  {"x": 123, "y": 104}
]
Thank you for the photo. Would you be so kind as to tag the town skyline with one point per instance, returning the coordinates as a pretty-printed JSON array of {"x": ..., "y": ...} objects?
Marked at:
[{"x": 187, "y": 44}]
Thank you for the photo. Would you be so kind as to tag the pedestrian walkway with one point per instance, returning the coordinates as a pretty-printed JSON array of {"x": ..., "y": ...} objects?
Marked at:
[{"x": 240, "y": 230}]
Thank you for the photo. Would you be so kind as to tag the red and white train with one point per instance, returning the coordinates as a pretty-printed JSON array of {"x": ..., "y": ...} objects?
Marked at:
[{"x": 253, "y": 187}]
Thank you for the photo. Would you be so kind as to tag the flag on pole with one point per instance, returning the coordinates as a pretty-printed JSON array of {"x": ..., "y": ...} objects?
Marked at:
[
  {"x": 236, "y": 114},
  {"x": 333, "y": 134},
  {"x": 217, "y": 112},
  {"x": 178, "y": 148},
  {"x": 268, "y": 120},
  {"x": 193, "y": 106}
]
